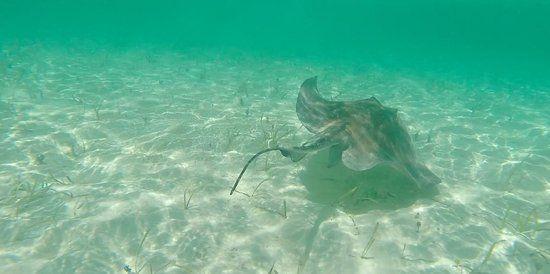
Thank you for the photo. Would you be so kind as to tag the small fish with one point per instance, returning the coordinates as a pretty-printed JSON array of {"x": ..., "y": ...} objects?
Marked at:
[{"x": 128, "y": 269}]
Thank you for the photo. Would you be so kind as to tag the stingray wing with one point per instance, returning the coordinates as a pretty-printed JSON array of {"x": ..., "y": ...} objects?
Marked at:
[
  {"x": 346, "y": 123},
  {"x": 363, "y": 151},
  {"x": 358, "y": 160},
  {"x": 316, "y": 113}
]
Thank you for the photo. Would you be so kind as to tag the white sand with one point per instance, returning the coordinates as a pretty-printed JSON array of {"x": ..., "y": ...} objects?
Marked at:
[{"x": 78, "y": 191}]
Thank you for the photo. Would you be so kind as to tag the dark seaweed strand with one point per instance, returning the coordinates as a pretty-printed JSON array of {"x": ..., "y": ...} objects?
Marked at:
[{"x": 248, "y": 163}]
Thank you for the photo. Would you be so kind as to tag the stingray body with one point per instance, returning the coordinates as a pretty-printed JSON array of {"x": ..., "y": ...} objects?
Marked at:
[{"x": 361, "y": 134}]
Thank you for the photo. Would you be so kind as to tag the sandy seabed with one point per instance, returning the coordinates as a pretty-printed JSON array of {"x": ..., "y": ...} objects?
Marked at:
[{"x": 114, "y": 158}]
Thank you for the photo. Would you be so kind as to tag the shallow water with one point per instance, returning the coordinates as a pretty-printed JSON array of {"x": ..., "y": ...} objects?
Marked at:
[{"x": 123, "y": 156}]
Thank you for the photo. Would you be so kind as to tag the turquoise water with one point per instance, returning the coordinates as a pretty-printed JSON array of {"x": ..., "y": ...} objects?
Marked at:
[{"x": 123, "y": 126}]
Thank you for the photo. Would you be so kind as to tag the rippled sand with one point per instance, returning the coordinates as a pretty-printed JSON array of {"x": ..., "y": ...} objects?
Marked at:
[{"x": 111, "y": 158}]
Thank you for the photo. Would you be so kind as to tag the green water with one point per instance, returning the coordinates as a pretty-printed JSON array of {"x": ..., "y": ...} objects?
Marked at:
[
  {"x": 123, "y": 125},
  {"x": 488, "y": 36}
]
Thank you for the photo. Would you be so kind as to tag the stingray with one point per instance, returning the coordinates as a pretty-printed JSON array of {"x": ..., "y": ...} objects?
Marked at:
[{"x": 360, "y": 134}]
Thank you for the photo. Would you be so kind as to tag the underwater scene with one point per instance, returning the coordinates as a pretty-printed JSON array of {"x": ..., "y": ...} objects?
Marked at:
[{"x": 220, "y": 136}]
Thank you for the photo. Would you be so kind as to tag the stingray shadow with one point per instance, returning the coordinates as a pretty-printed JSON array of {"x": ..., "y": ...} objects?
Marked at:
[
  {"x": 382, "y": 187},
  {"x": 356, "y": 192}
]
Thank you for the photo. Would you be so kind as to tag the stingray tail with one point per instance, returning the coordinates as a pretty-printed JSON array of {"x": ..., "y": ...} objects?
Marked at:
[
  {"x": 295, "y": 154},
  {"x": 422, "y": 176}
]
